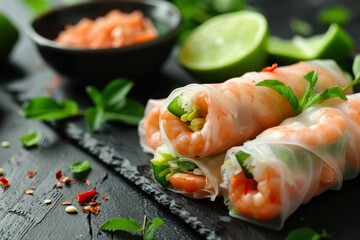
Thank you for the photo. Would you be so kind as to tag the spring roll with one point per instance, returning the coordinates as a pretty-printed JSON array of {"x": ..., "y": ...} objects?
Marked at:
[
  {"x": 266, "y": 179},
  {"x": 195, "y": 178},
  {"x": 200, "y": 120}
]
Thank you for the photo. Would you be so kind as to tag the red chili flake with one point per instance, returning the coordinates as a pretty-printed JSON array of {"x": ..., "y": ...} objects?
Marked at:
[
  {"x": 87, "y": 182},
  {"x": 29, "y": 192},
  {"x": 66, "y": 202},
  {"x": 105, "y": 197},
  {"x": 270, "y": 69},
  {"x": 85, "y": 196},
  {"x": 31, "y": 173},
  {"x": 95, "y": 209},
  {"x": 4, "y": 182},
  {"x": 94, "y": 203},
  {"x": 58, "y": 174}
]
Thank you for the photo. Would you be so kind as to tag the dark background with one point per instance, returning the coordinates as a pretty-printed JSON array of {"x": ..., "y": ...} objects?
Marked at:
[{"x": 119, "y": 165}]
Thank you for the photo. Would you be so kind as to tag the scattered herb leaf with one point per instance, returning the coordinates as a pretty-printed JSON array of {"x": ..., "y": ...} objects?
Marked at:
[
  {"x": 31, "y": 138},
  {"x": 109, "y": 105},
  {"x": 128, "y": 224},
  {"x": 37, "y": 6},
  {"x": 80, "y": 167},
  {"x": 307, "y": 233},
  {"x": 301, "y": 27},
  {"x": 46, "y": 108},
  {"x": 151, "y": 227},
  {"x": 334, "y": 14},
  {"x": 121, "y": 224}
]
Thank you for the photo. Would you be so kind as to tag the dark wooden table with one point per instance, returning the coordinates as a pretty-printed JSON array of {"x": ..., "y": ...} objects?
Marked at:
[{"x": 119, "y": 167}]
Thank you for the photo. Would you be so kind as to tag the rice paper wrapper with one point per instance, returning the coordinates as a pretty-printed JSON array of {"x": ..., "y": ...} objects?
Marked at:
[
  {"x": 209, "y": 167},
  {"x": 291, "y": 168}
]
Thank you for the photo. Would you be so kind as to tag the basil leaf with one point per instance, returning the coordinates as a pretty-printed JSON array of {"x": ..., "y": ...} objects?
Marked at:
[
  {"x": 80, "y": 167},
  {"x": 94, "y": 118},
  {"x": 95, "y": 96},
  {"x": 46, "y": 108},
  {"x": 306, "y": 233},
  {"x": 284, "y": 90},
  {"x": 31, "y": 138},
  {"x": 151, "y": 227},
  {"x": 123, "y": 224},
  {"x": 332, "y": 92},
  {"x": 116, "y": 91}
]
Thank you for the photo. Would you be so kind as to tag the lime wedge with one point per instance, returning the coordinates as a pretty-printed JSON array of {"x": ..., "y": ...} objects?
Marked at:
[
  {"x": 8, "y": 36},
  {"x": 226, "y": 46},
  {"x": 335, "y": 44}
]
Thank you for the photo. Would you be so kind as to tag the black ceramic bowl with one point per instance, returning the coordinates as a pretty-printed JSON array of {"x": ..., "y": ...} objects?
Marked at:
[{"x": 134, "y": 61}]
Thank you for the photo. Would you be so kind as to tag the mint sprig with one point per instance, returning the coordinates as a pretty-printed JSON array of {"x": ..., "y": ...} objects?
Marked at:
[
  {"x": 148, "y": 228},
  {"x": 112, "y": 104},
  {"x": 308, "y": 98}
]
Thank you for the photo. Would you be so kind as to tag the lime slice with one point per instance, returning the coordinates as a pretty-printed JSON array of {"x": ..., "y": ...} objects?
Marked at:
[
  {"x": 226, "y": 46},
  {"x": 9, "y": 35},
  {"x": 335, "y": 44}
]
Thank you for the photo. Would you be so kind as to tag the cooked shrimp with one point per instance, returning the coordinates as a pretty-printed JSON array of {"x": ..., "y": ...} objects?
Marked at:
[
  {"x": 232, "y": 112},
  {"x": 321, "y": 127},
  {"x": 115, "y": 29},
  {"x": 149, "y": 130},
  {"x": 257, "y": 199},
  {"x": 187, "y": 182}
]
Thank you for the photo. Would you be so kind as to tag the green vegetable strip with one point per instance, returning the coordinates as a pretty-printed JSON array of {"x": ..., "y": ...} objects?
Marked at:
[{"x": 241, "y": 157}]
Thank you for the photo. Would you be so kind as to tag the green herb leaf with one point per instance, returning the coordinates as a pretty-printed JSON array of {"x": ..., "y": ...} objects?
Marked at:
[
  {"x": 311, "y": 78},
  {"x": 301, "y": 27},
  {"x": 284, "y": 90},
  {"x": 94, "y": 118},
  {"x": 116, "y": 91},
  {"x": 334, "y": 14},
  {"x": 37, "y": 6},
  {"x": 31, "y": 138},
  {"x": 121, "y": 224},
  {"x": 46, "y": 108},
  {"x": 131, "y": 113},
  {"x": 333, "y": 92},
  {"x": 80, "y": 167},
  {"x": 306, "y": 233},
  {"x": 95, "y": 96},
  {"x": 151, "y": 227}
]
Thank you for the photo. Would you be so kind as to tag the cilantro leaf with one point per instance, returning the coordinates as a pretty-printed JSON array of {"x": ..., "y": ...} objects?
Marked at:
[
  {"x": 31, "y": 138},
  {"x": 80, "y": 167}
]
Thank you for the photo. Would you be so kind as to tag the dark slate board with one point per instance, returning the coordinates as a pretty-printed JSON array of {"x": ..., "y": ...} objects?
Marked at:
[{"x": 117, "y": 147}]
